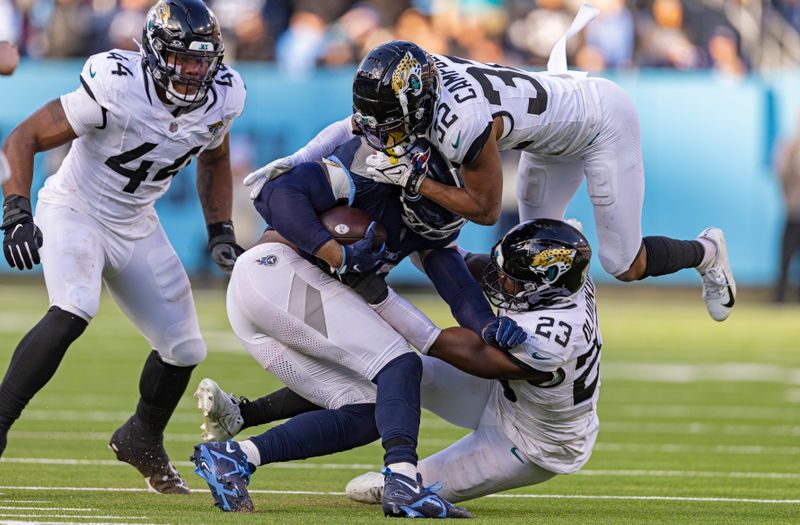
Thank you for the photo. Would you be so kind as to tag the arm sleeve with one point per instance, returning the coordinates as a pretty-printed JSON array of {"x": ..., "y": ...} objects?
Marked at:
[
  {"x": 537, "y": 354},
  {"x": 291, "y": 205},
  {"x": 451, "y": 277},
  {"x": 325, "y": 142},
  {"x": 408, "y": 321}
]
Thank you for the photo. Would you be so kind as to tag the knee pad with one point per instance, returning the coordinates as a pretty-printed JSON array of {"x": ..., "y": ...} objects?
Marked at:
[{"x": 189, "y": 352}]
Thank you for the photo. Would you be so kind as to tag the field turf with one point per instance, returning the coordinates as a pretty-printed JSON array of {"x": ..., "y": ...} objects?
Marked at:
[{"x": 700, "y": 423}]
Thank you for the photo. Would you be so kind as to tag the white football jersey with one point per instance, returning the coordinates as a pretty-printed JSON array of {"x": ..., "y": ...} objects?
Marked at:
[
  {"x": 130, "y": 144},
  {"x": 542, "y": 113},
  {"x": 556, "y": 425}
]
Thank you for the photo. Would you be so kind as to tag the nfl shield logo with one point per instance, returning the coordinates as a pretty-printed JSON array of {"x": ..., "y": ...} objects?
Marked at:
[{"x": 173, "y": 127}]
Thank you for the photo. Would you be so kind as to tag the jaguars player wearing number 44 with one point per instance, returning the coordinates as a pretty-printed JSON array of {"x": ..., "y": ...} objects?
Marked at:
[
  {"x": 136, "y": 120},
  {"x": 567, "y": 126}
]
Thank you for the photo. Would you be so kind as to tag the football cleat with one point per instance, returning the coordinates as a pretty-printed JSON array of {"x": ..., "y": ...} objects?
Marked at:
[
  {"x": 366, "y": 488},
  {"x": 132, "y": 444},
  {"x": 404, "y": 497},
  {"x": 222, "y": 419},
  {"x": 224, "y": 467},
  {"x": 719, "y": 287}
]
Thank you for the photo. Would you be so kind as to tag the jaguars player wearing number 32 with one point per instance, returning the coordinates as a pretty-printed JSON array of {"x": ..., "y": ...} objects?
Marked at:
[
  {"x": 136, "y": 120},
  {"x": 567, "y": 126}
]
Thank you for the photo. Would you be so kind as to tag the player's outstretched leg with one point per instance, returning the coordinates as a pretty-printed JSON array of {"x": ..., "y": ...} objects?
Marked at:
[
  {"x": 719, "y": 286},
  {"x": 222, "y": 416},
  {"x": 140, "y": 441},
  {"x": 225, "y": 468},
  {"x": 404, "y": 497}
]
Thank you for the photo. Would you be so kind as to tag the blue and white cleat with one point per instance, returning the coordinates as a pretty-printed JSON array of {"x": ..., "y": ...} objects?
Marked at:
[
  {"x": 404, "y": 497},
  {"x": 224, "y": 467}
]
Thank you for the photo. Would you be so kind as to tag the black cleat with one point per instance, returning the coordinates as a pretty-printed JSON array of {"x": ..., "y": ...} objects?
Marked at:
[{"x": 134, "y": 445}]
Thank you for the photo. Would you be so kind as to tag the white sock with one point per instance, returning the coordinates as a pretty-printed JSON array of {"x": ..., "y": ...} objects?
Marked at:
[
  {"x": 710, "y": 253},
  {"x": 251, "y": 451},
  {"x": 406, "y": 469}
]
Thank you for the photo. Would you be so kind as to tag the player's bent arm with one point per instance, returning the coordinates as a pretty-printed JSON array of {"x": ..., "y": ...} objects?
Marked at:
[
  {"x": 46, "y": 129},
  {"x": 466, "y": 351},
  {"x": 215, "y": 182},
  {"x": 458, "y": 346},
  {"x": 448, "y": 272},
  {"x": 291, "y": 206},
  {"x": 479, "y": 199}
]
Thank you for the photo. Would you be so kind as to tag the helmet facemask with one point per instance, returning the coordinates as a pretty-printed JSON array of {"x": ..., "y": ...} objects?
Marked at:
[{"x": 182, "y": 49}]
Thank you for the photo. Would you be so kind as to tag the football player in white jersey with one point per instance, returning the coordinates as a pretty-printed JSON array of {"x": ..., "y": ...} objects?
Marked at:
[
  {"x": 136, "y": 120},
  {"x": 568, "y": 128},
  {"x": 524, "y": 431}
]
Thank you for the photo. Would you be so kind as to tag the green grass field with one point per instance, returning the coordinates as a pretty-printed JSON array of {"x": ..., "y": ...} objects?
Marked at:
[{"x": 700, "y": 423}]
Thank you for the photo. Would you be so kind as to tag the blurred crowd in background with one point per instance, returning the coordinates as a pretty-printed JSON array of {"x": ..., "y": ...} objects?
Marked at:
[{"x": 731, "y": 36}]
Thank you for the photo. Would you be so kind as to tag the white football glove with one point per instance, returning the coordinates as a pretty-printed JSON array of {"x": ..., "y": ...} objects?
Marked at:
[
  {"x": 388, "y": 169},
  {"x": 263, "y": 175}
]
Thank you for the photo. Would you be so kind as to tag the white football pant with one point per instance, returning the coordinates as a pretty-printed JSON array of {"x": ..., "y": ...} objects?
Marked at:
[
  {"x": 484, "y": 461},
  {"x": 144, "y": 276},
  {"x": 614, "y": 172},
  {"x": 314, "y": 333}
]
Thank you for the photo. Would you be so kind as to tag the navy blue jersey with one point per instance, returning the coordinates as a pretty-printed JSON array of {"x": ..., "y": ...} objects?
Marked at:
[
  {"x": 382, "y": 202},
  {"x": 291, "y": 205}
]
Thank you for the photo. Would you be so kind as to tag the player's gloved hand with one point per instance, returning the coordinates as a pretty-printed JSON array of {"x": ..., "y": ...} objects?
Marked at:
[
  {"x": 503, "y": 333},
  {"x": 263, "y": 175},
  {"x": 361, "y": 256},
  {"x": 222, "y": 245},
  {"x": 407, "y": 171},
  {"x": 22, "y": 238}
]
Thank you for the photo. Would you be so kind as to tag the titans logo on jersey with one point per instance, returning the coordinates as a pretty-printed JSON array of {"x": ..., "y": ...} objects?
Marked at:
[{"x": 130, "y": 144}]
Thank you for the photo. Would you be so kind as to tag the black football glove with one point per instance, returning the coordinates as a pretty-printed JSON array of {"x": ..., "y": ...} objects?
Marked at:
[
  {"x": 22, "y": 238},
  {"x": 222, "y": 245},
  {"x": 503, "y": 333},
  {"x": 361, "y": 256}
]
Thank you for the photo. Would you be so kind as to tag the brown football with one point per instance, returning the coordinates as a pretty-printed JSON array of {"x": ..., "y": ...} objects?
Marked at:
[{"x": 348, "y": 225}]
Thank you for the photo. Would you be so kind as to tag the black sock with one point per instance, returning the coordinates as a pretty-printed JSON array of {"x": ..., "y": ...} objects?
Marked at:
[
  {"x": 281, "y": 404},
  {"x": 34, "y": 362},
  {"x": 160, "y": 387},
  {"x": 666, "y": 256}
]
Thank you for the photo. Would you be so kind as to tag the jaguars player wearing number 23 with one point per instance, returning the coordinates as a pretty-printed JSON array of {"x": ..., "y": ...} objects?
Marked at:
[{"x": 135, "y": 120}]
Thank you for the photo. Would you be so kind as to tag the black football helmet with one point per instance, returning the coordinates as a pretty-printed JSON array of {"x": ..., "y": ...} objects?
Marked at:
[
  {"x": 394, "y": 94},
  {"x": 420, "y": 214},
  {"x": 182, "y": 49},
  {"x": 537, "y": 263}
]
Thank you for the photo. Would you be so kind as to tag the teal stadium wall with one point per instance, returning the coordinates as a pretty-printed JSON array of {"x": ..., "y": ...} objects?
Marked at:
[{"x": 708, "y": 146}]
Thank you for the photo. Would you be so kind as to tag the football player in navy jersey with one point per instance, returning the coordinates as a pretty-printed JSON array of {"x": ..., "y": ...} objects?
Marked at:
[
  {"x": 324, "y": 342},
  {"x": 568, "y": 127},
  {"x": 135, "y": 121}
]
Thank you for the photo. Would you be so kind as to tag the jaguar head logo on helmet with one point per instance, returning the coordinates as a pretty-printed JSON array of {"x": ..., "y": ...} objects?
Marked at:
[
  {"x": 182, "y": 49},
  {"x": 537, "y": 263},
  {"x": 394, "y": 94}
]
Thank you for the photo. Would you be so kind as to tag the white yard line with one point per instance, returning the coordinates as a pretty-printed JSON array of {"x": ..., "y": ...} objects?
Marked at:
[
  {"x": 48, "y": 516},
  {"x": 531, "y": 496},
  {"x": 364, "y": 466},
  {"x": 68, "y": 509},
  {"x": 665, "y": 448},
  {"x": 20, "y": 522}
]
